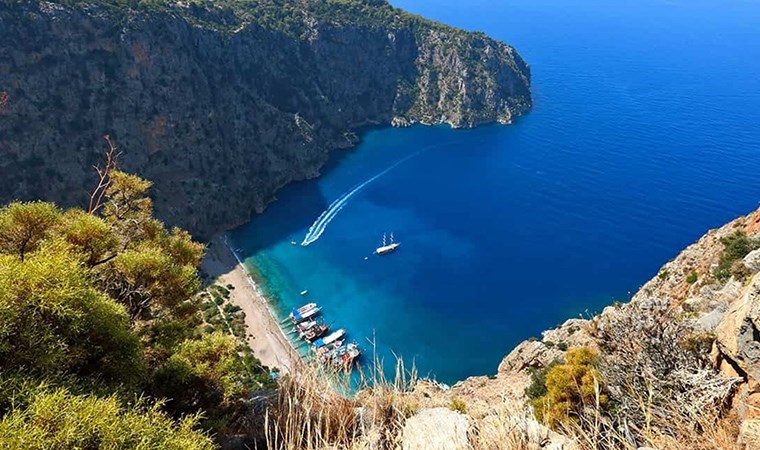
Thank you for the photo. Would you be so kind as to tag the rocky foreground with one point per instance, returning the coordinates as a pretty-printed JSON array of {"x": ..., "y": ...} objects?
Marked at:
[
  {"x": 690, "y": 296},
  {"x": 222, "y": 103}
]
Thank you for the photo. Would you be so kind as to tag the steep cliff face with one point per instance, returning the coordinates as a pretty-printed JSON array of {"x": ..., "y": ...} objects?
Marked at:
[{"x": 220, "y": 106}]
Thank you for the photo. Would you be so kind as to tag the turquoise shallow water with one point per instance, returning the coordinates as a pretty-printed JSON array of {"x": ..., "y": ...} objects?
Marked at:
[{"x": 645, "y": 133}]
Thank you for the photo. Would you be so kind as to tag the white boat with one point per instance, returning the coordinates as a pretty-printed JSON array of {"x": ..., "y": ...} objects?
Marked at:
[
  {"x": 330, "y": 338},
  {"x": 387, "y": 248},
  {"x": 304, "y": 292},
  {"x": 304, "y": 313},
  {"x": 303, "y": 327},
  {"x": 306, "y": 307}
]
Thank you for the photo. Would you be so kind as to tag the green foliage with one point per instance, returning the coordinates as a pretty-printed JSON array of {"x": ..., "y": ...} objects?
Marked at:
[
  {"x": 60, "y": 420},
  {"x": 24, "y": 225},
  {"x": 692, "y": 277},
  {"x": 53, "y": 320},
  {"x": 568, "y": 387},
  {"x": 699, "y": 344},
  {"x": 207, "y": 373},
  {"x": 458, "y": 405},
  {"x": 103, "y": 307},
  {"x": 90, "y": 235},
  {"x": 736, "y": 247},
  {"x": 149, "y": 276},
  {"x": 286, "y": 16}
]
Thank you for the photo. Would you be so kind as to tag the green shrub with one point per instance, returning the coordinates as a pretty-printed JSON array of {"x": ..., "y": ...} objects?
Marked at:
[
  {"x": 458, "y": 406},
  {"x": 692, "y": 277},
  {"x": 569, "y": 387},
  {"x": 736, "y": 247},
  {"x": 60, "y": 420}
]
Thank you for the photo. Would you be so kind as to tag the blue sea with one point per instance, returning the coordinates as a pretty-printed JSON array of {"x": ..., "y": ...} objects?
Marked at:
[{"x": 645, "y": 134}]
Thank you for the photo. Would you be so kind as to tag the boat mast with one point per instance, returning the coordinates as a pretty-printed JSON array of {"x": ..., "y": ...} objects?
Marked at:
[
  {"x": 384, "y": 240},
  {"x": 391, "y": 237}
]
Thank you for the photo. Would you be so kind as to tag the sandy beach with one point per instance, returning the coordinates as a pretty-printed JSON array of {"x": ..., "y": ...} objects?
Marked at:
[{"x": 265, "y": 337}]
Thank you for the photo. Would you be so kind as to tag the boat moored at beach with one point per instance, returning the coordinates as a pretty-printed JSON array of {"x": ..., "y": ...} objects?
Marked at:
[
  {"x": 315, "y": 332},
  {"x": 341, "y": 356},
  {"x": 329, "y": 339},
  {"x": 304, "y": 313}
]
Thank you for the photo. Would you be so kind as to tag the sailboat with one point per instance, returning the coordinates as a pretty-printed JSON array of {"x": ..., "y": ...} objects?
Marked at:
[{"x": 387, "y": 248}]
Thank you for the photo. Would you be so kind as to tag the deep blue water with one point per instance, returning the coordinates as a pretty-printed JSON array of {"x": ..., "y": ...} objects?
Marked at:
[{"x": 645, "y": 133}]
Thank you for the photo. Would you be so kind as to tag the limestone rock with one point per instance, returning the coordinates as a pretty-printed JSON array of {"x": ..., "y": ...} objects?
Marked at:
[
  {"x": 749, "y": 435},
  {"x": 737, "y": 334},
  {"x": 710, "y": 321},
  {"x": 436, "y": 429},
  {"x": 752, "y": 260}
]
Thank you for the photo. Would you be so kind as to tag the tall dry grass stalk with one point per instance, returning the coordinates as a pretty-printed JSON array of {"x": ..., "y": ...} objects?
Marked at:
[
  {"x": 676, "y": 426},
  {"x": 317, "y": 409},
  {"x": 309, "y": 414}
]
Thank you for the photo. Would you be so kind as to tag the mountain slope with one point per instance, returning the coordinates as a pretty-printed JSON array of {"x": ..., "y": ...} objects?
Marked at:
[{"x": 222, "y": 103}]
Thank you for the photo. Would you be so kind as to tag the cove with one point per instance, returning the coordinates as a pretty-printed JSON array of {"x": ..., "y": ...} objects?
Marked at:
[{"x": 644, "y": 134}]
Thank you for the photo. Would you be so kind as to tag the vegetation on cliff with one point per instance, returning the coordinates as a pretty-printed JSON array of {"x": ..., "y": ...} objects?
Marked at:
[{"x": 101, "y": 337}]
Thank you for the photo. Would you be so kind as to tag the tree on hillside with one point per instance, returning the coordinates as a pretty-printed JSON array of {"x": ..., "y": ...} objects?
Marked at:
[
  {"x": 24, "y": 225},
  {"x": 98, "y": 307},
  {"x": 58, "y": 419},
  {"x": 53, "y": 321}
]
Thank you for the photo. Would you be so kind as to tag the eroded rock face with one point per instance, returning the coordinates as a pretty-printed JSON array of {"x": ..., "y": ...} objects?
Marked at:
[
  {"x": 738, "y": 334},
  {"x": 436, "y": 429},
  {"x": 752, "y": 260},
  {"x": 220, "y": 113}
]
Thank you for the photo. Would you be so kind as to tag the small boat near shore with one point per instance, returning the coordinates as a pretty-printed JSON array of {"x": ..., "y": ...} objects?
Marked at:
[
  {"x": 330, "y": 349},
  {"x": 329, "y": 339},
  {"x": 341, "y": 356},
  {"x": 303, "y": 327},
  {"x": 315, "y": 333},
  {"x": 304, "y": 313}
]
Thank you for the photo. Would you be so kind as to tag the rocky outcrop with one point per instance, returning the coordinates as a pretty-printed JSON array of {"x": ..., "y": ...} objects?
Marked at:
[
  {"x": 222, "y": 107},
  {"x": 436, "y": 429},
  {"x": 738, "y": 333}
]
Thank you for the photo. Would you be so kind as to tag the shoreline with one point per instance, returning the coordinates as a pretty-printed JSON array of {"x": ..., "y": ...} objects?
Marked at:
[{"x": 264, "y": 334}]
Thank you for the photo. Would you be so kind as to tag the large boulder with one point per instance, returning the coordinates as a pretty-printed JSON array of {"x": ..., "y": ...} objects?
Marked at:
[
  {"x": 436, "y": 429},
  {"x": 737, "y": 337},
  {"x": 752, "y": 260}
]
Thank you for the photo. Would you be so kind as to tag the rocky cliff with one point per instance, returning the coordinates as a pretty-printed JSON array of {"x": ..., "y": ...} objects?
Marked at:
[{"x": 222, "y": 103}]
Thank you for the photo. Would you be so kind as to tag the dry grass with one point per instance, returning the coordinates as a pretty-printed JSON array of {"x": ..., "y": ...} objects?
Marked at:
[
  {"x": 316, "y": 411},
  {"x": 309, "y": 414},
  {"x": 312, "y": 414}
]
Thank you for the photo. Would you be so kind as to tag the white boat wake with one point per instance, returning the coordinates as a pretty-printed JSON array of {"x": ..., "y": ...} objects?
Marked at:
[{"x": 320, "y": 225}]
